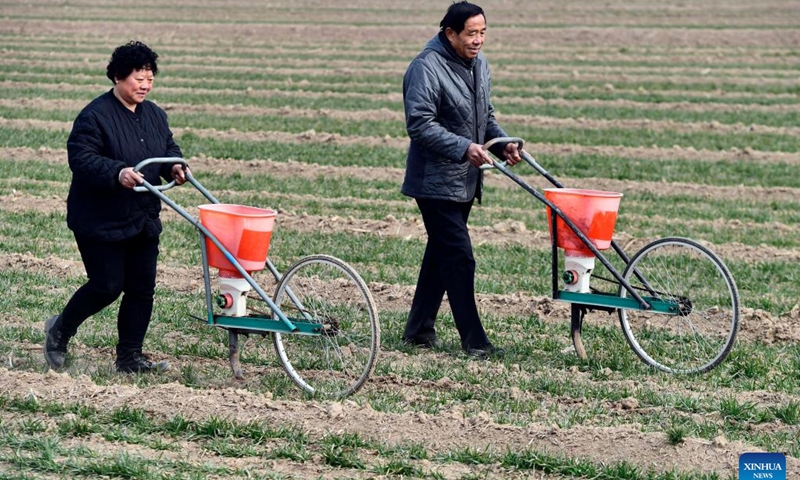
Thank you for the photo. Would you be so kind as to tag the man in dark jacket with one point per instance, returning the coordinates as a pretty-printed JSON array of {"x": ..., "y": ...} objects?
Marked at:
[
  {"x": 449, "y": 116},
  {"x": 117, "y": 229}
]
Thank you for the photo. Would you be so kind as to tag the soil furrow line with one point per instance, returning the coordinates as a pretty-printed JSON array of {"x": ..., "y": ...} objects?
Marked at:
[
  {"x": 710, "y": 55},
  {"x": 604, "y": 75},
  {"x": 396, "y": 98},
  {"x": 503, "y": 232},
  {"x": 184, "y": 63},
  {"x": 510, "y": 120},
  {"x": 764, "y": 62},
  {"x": 164, "y": 32},
  {"x": 310, "y": 170}
]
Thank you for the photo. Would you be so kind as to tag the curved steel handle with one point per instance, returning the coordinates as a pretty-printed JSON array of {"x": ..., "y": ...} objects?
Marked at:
[
  {"x": 493, "y": 141},
  {"x": 148, "y": 161}
]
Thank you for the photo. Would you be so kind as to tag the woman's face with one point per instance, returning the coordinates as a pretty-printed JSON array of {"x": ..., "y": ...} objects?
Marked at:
[
  {"x": 133, "y": 89},
  {"x": 468, "y": 43}
]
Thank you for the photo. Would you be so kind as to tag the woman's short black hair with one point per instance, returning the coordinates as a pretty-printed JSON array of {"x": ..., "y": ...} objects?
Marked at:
[
  {"x": 132, "y": 56},
  {"x": 458, "y": 14}
]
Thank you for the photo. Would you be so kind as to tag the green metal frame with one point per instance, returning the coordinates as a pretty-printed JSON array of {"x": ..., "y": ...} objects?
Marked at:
[
  {"x": 612, "y": 301},
  {"x": 259, "y": 324}
]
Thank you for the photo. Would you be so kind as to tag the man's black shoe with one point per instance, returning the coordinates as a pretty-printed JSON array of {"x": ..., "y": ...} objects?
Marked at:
[
  {"x": 485, "y": 352},
  {"x": 55, "y": 342},
  {"x": 139, "y": 363},
  {"x": 422, "y": 342}
]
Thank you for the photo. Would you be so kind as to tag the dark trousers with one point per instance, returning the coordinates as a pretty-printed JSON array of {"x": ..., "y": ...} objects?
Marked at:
[
  {"x": 114, "y": 268},
  {"x": 447, "y": 266}
]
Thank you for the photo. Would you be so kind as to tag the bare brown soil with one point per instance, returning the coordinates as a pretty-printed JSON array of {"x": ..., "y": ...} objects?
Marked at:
[{"x": 445, "y": 431}]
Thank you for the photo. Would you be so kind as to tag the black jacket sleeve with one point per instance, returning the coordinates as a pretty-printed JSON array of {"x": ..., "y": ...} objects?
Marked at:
[{"x": 87, "y": 154}]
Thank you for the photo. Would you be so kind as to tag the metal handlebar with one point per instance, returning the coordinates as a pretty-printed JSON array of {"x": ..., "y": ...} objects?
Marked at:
[
  {"x": 146, "y": 162},
  {"x": 494, "y": 141}
]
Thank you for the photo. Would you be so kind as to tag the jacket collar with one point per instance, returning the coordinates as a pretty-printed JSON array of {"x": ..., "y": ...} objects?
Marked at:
[
  {"x": 451, "y": 54},
  {"x": 466, "y": 69}
]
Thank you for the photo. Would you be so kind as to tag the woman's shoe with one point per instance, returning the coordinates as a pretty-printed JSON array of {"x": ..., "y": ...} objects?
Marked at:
[
  {"x": 139, "y": 363},
  {"x": 55, "y": 342}
]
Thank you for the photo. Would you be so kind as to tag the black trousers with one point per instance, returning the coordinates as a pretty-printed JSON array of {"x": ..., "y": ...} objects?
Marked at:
[
  {"x": 114, "y": 268},
  {"x": 447, "y": 266}
]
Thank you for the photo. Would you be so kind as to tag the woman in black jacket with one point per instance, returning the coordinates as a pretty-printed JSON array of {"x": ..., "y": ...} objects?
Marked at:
[{"x": 116, "y": 229}]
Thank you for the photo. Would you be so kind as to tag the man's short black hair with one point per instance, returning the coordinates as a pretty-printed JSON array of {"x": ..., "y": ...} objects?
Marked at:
[
  {"x": 458, "y": 14},
  {"x": 132, "y": 56}
]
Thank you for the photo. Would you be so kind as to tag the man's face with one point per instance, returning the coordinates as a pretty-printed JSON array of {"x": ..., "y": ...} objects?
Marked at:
[{"x": 467, "y": 44}]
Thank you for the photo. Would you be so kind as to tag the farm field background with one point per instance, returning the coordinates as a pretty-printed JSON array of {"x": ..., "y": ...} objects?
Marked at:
[{"x": 691, "y": 109}]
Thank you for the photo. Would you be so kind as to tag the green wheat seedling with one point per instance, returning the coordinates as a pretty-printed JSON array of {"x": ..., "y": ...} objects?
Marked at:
[
  {"x": 744, "y": 364},
  {"x": 399, "y": 467},
  {"x": 231, "y": 448},
  {"x": 291, "y": 451},
  {"x": 30, "y": 426},
  {"x": 788, "y": 413},
  {"x": 215, "y": 427},
  {"x": 676, "y": 434},
  {"x": 411, "y": 451},
  {"x": 732, "y": 409},
  {"x": 341, "y": 457},
  {"x": 77, "y": 428}
]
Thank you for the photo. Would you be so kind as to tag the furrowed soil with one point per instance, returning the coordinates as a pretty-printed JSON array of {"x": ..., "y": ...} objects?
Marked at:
[{"x": 273, "y": 31}]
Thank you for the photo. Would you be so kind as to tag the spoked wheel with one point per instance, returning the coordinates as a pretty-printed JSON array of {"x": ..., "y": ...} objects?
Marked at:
[
  {"x": 325, "y": 290},
  {"x": 703, "y": 332}
]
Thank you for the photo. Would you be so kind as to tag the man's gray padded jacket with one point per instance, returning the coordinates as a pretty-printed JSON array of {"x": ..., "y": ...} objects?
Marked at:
[{"x": 448, "y": 106}]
